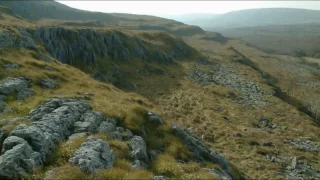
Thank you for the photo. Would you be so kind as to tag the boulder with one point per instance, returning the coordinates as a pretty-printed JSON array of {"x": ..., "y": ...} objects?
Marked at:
[
  {"x": 200, "y": 150},
  {"x": 108, "y": 125},
  {"x": 24, "y": 94},
  {"x": 154, "y": 118},
  {"x": 92, "y": 155},
  {"x": 12, "y": 85},
  {"x": 37, "y": 139},
  {"x": 89, "y": 122},
  {"x": 46, "y": 107},
  {"x": 48, "y": 83},
  {"x": 19, "y": 159},
  {"x": 138, "y": 152}
]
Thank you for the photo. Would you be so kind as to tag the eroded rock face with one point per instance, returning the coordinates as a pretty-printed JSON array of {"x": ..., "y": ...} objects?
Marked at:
[
  {"x": 138, "y": 152},
  {"x": 201, "y": 151},
  {"x": 8, "y": 40},
  {"x": 92, "y": 155}
]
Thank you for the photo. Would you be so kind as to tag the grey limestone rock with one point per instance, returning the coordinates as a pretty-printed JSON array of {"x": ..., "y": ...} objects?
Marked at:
[
  {"x": 92, "y": 155},
  {"x": 48, "y": 83},
  {"x": 19, "y": 159},
  {"x": 138, "y": 152}
]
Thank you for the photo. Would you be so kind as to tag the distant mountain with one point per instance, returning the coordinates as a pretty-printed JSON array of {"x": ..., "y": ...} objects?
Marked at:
[
  {"x": 35, "y": 10},
  {"x": 49, "y": 9},
  {"x": 251, "y": 18},
  {"x": 192, "y": 19},
  {"x": 264, "y": 17}
]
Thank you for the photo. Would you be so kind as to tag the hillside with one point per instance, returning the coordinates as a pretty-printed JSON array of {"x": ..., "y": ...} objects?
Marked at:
[
  {"x": 60, "y": 14},
  {"x": 254, "y": 17},
  {"x": 82, "y": 99},
  {"x": 274, "y": 30},
  {"x": 281, "y": 39}
]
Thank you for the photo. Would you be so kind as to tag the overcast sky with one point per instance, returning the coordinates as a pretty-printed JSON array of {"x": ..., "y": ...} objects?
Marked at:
[{"x": 184, "y": 7}]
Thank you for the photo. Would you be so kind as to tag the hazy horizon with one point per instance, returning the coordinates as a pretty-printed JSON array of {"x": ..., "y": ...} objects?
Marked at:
[{"x": 163, "y": 8}]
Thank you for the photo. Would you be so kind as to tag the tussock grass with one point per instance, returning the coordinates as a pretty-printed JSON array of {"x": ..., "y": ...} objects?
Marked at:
[{"x": 64, "y": 152}]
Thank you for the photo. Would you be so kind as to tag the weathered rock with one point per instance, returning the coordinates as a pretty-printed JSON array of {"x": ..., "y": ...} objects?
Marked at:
[
  {"x": 92, "y": 155},
  {"x": 53, "y": 127},
  {"x": 24, "y": 94},
  {"x": 11, "y": 66},
  {"x": 89, "y": 122},
  {"x": 200, "y": 150},
  {"x": 12, "y": 85},
  {"x": 267, "y": 124},
  {"x": 304, "y": 145},
  {"x": 38, "y": 140},
  {"x": 6, "y": 40},
  {"x": 294, "y": 168},
  {"x": 138, "y": 152},
  {"x": 251, "y": 93},
  {"x": 15, "y": 85},
  {"x": 19, "y": 159},
  {"x": 47, "y": 107},
  {"x": 48, "y": 83},
  {"x": 154, "y": 118},
  {"x": 108, "y": 125},
  {"x": 10, "y": 142}
]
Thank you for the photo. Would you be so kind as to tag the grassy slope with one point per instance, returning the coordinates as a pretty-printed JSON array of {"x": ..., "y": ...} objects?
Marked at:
[
  {"x": 206, "y": 110},
  {"x": 129, "y": 108}
]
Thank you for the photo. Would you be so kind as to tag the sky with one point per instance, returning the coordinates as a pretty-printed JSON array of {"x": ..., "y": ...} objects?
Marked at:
[{"x": 184, "y": 7}]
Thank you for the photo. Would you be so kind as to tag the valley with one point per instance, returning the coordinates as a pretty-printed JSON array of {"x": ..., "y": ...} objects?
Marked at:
[{"x": 133, "y": 96}]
